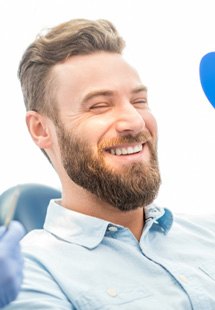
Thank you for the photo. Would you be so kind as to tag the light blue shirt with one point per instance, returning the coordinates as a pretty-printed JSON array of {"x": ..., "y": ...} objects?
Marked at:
[{"x": 82, "y": 262}]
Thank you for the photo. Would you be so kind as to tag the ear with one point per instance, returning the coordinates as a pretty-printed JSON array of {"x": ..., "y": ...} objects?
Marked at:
[{"x": 39, "y": 129}]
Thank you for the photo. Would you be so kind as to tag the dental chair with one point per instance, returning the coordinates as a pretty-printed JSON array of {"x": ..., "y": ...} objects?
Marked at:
[{"x": 31, "y": 203}]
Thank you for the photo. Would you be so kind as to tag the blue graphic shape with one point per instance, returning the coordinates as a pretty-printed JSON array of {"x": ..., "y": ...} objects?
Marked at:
[{"x": 207, "y": 76}]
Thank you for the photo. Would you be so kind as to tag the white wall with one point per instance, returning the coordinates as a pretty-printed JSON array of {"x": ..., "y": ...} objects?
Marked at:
[{"x": 165, "y": 42}]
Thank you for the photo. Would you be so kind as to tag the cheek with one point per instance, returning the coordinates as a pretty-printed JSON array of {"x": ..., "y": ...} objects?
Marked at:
[
  {"x": 151, "y": 124},
  {"x": 94, "y": 129}
]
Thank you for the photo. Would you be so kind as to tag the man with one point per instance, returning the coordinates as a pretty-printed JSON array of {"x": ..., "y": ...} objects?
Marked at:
[
  {"x": 105, "y": 245},
  {"x": 11, "y": 262}
]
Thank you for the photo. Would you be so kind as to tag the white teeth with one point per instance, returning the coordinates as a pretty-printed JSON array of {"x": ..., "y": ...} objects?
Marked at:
[
  {"x": 137, "y": 149},
  {"x": 129, "y": 150},
  {"x": 118, "y": 152}
]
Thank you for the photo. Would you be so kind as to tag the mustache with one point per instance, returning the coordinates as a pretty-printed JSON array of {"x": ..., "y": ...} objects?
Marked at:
[{"x": 141, "y": 137}]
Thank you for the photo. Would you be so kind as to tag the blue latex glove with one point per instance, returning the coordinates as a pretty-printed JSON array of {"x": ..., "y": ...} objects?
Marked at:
[{"x": 11, "y": 262}]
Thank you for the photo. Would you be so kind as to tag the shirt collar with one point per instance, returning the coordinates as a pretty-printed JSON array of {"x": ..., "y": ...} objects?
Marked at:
[
  {"x": 73, "y": 226},
  {"x": 88, "y": 231},
  {"x": 155, "y": 215}
]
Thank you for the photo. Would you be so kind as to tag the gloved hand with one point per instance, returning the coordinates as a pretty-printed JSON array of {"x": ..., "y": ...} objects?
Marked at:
[{"x": 11, "y": 262}]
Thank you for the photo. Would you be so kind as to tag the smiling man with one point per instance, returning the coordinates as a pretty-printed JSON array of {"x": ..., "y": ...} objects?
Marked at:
[
  {"x": 106, "y": 135},
  {"x": 104, "y": 245}
]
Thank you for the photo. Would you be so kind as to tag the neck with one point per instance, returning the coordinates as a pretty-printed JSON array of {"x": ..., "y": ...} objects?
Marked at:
[{"x": 80, "y": 200}]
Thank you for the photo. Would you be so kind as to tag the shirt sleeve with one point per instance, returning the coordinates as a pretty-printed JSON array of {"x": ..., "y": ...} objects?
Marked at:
[{"x": 39, "y": 290}]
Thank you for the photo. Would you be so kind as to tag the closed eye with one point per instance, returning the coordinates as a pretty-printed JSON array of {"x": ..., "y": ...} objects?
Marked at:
[
  {"x": 99, "y": 107},
  {"x": 140, "y": 102}
]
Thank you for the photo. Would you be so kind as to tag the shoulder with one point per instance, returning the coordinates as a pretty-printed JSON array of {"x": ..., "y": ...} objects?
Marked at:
[
  {"x": 39, "y": 246},
  {"x": 199, "y": 219},
  {"x": 198, "y": 222},
  {"x": 37, "y": 237}
]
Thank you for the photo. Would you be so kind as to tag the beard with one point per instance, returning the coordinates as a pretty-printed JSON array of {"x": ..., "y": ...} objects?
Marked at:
[{"x": 136, "y": 185}]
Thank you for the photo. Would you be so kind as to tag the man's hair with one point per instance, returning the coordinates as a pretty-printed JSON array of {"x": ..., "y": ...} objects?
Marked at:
[{"x": 75, "y": 37}]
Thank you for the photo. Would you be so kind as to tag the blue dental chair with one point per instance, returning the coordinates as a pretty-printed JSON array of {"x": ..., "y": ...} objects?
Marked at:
[{"x": 31, "y": 204}]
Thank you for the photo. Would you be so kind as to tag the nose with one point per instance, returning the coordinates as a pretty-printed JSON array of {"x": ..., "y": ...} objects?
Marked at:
[{"x": 129, "y": 120}]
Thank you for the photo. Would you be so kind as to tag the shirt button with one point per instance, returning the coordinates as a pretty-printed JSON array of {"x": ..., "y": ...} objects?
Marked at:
[
  {"x": 111, "y": 291},
  {"x": 112, "y": 228},
  {"x": 155, "y": 211},
  {"x": 183, "y": 278}
]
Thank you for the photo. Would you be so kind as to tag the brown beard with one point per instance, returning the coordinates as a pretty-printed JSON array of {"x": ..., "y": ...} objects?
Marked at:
[{"x": 138, "y": 184}]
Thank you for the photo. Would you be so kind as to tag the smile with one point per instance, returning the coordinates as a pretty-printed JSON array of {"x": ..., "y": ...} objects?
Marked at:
[{"x": 126, "y": 150}]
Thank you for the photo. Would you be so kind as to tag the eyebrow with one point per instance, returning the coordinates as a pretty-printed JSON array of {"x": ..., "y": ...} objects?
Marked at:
[
  {"x": 139, "y": 89},
  {"x": 97, "y": 93},
  {"x": 108, "y": 93}
]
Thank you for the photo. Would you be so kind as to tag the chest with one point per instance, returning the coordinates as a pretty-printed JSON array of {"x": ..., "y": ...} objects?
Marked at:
[{"x": 118, "y": 275}]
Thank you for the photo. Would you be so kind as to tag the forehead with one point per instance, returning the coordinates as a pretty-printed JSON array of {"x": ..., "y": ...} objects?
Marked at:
[{"x": 79, "y": 75}]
